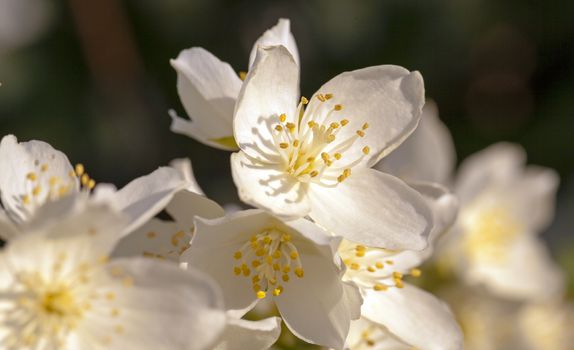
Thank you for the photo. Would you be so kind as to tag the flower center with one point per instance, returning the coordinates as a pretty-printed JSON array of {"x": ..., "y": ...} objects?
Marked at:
[
  {"x": 57, "y": 187},
  {"x": 373, "y": 268},
  {"x": 273, "y": 257},
  {"x": 310, "y": 147},
  {"x": 489, "y": 234}
]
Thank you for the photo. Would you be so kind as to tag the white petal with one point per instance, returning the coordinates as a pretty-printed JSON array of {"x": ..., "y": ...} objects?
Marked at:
[
  {"x": 318, "y": 308},
  {"x": 254, "y": 335},
  {"x": 267, "y": 186},
  {"x": 18, "y": 162},
  {"x": 500, "y": 163},
  {"x": 208, "y": 90},
  {"x": 415, "y": 316},
  {"x": 368, "y": 335},
  {"x": 388, "y": 98},
  {"x": 164, "y": 308},
  {"x": 270, "y": 89},
  {"x": 156, "y": 239},
  {"x": 169, "y": 239},
  {"x": 374, "y": 209},
  {"x": 427, "y": 155},
  {"x": 528, "y": 272},
  {"x": 444, "y": 205},
  {"x": 280, "y": 34},
  {"x": 212, "y": 248},
  {"x": 145, "y": 196},
  {"x": 185, "y": 206},
  {"x": 183, "y": 165}
]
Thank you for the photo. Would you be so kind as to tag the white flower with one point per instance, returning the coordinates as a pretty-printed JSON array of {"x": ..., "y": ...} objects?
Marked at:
[
  {"x": 368, "y": 335},
  {"x": 254, "y": 255},
  {"x": 504, "y": 206},
  {"x": 427, "y": 155},
  {"x": 296, "y": 161},
  {"x": 208, "y": 89},
  {"x": 547, "y": 325},
  {"x": 394, "y": 311},
  {"x": 33, "y": 173},
  {"x": 58, "y": 290}
]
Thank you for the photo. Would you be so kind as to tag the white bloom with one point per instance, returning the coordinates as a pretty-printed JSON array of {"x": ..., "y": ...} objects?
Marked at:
[
  {"x": 394, "y": 311},
  {"x": 427, "y": 155},
  {"x": 368, "y": 335},
  {"x": 504, "y": 206},
  {"x": 58, "y": 290},
  {"x": 33, "y": 173},
  {"x": 296, "y": 161},
  {"x": 208, "y": 89},
  {"x": 547, "y": 326},
  {"x": 254, "y": 255}
]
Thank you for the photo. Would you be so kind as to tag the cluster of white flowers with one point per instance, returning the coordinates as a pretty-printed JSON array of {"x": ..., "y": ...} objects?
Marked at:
[{"x": 339, "y": 228}]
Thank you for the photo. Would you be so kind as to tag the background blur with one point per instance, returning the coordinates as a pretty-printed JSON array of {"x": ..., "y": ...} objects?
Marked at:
[{"x": 93, "y": 78}]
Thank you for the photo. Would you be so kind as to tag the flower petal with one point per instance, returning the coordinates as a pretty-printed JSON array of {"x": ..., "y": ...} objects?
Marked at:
[
  {"x": 208, "y": 90},
  {"x": 212, "y": 252},
  {"x": 164, "y": 307},
  {"x": 365, "y": 334},
  {"x": 31, "y": 171},
  {"x": 266, "y": 186},
  {"x": 318, "y": 308},
  {"x": 7, "y": 228},
  {"x": 427, "y": 155},
  {"x": 254, "y": 335},
  {"x": 415, "y": 316},
  {"x": 387, "y": 98},
  {"x": 183, "y": 165},
  {"x": 499, "y": 163},
  {"x": 280, "y": 34},
  {"x": 528, "y": 273},
  {"x": 145, "y": 196},
  {"x": 270, "y": 89},
  {"x": 185, "y": 206},
  {"x": 374, "y": 209}
]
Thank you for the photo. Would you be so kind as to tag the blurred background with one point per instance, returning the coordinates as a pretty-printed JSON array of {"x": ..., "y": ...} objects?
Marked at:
[{"x": 93, "y": 78}]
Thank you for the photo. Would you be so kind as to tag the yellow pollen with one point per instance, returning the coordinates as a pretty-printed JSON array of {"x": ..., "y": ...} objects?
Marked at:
[
  {"x": 282, "y": 118},
  {"x": 285, "y": 278},
  {"x": 91, "y": 184},
  {"x": 354, "y": 266},
  {"x": 416, "y": 272},
  {"x": 26, "y": 199},
  {"x": 299, "y": 272},
  {"x": 399, "y": 283},
  {"x": 237, "y": 255},
  {"x": 31, "y": 176},
  {"x": 278, "y": 128},
  {"x": 36, "y": 190},
  {"x": 360, "y": 253},
  {"x": 371, "y": 269},
  {"x": 334, "y": 125},
  {"x": 379, "y": 265},
  {"x": 365, "y": 126},
  {"x": 379, "y": 287},
  {"x": 79, "y": 169},
  {"x": 242, "y": 75},
  {"x": 338, "y": 107},
  {"x": 337, "y": 156},
  {"x": 361, "y": 133},
  {"x": 44, "y": 168},
  {"x": 261, "y": 294},
  {"x": 328, "y": 96},
  {"x": 304, "y": 100},
  {"x": 397, "y": 275},
  {"x": 366, "y": 150},
  {"x": 237, "y": 271},
  {"x": 290, "y": 126},
  {"x": 344, "y": 122},
  {"x": 295, "y": 143},
  {"x": 314, "y": 173},
  {"x": 277, "y": 291},
  {"x": 311, "y": 124},
  {"x": 294, "y": 255},
  {"x": 284, "y": 145},
  {"x": 321, "y": 98}
]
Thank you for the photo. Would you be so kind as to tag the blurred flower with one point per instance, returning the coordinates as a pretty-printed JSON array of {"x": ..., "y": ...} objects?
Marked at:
[
  {"x": 427, "y": 155},
  {"x": 59, "y": 290},
  {"x": 547, "y": 325},
  {"x": 504, "y": 205},
  {"x": 254, "y": 255},
  {"x": 33, "y": 174},
  {"x": 394, "y": 311},
  {"x": 208, "y": 89},
  {"x": 316, "y": 161}
]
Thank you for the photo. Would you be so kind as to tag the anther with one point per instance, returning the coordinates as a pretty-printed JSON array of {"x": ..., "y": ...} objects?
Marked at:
[
  {"x": 304, "y": 100},
  {"x": 338, "y": 107},
  {"x": 366, "y": 150},
  {"x": 283, "y": 118},
  {"x": 284, "y": 145},
  {"x": 361, "y": 133}
]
